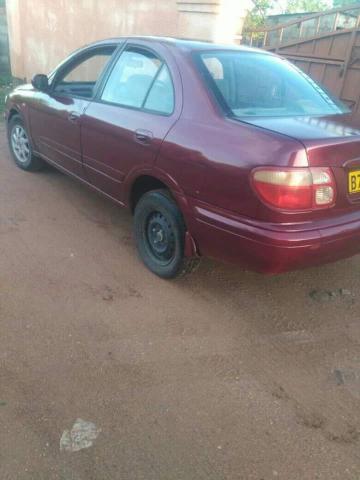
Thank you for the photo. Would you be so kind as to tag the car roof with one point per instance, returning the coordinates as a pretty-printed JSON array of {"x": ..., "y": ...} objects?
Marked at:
[{"x": 181, "y": 43}]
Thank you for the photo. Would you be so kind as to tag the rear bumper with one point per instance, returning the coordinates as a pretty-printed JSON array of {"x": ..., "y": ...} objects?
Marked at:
[{"x": 272, "y": 248}]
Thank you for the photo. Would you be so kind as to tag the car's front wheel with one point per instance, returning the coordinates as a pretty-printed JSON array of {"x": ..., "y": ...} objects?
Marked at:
[
  {"x": 160, "y": 235},
  {"x": 20, "y": 146}
]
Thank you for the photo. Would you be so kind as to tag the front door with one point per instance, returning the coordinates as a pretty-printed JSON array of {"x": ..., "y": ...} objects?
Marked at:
[
  {"x": 55, "y": 116},
  {"x": 123, "y": 128}
]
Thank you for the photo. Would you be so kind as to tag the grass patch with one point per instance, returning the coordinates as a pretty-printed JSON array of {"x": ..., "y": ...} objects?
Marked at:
[
  {"x": 4, "y": 90},
  {"x": 7, "y": 83}
]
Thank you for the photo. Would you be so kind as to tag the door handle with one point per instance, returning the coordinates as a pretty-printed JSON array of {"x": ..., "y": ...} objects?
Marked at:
[
  {"x": 74, "y": 117},
  {"x": 143, "y": 136}
]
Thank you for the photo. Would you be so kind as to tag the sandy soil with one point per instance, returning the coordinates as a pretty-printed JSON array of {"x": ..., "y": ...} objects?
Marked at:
[{"x": 222, "y": 375}]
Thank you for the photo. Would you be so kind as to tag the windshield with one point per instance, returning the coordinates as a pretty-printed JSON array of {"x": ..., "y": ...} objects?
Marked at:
[{"x": 257, "y": 84}]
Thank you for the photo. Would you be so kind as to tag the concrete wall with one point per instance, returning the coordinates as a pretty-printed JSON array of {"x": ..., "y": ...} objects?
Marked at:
[
  {"x": 4, "y": 43},
  {"x": 43, "y": 32}
]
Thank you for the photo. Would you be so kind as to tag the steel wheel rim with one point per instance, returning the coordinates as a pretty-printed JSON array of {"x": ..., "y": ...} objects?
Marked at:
[
  {"x": 20, "y": 144},
  {"x": 160, "y": 238}
]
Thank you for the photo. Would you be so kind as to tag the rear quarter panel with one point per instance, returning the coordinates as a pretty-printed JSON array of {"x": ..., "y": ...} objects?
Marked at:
[{"x": 212, "y": 160}]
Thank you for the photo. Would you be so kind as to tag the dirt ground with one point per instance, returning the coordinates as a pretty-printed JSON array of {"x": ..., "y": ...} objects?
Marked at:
[{"x": 222, "y": 375}]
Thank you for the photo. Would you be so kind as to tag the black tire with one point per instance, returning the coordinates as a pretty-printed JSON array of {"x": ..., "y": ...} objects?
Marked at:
[
  {"x": 160, "y": 235},
  {"x": 21, "y": 150}
]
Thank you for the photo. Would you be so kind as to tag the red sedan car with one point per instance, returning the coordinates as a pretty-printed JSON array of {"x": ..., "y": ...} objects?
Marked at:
[{"x": 227, "y": 152}]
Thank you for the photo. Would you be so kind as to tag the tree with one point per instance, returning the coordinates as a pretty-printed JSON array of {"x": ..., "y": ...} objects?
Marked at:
[
  {"x": 343, "y": 3},
  {"x": 257, "y": 16},
  {"x": 300, "y": 6}
]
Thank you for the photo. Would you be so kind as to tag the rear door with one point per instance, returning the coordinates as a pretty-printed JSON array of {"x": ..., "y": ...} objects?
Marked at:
[
  {"x": 56, "y": 115},
  {"x": 123, "y": 128}
]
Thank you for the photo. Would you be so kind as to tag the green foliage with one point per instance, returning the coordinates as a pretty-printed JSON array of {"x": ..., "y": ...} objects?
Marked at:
[
  {"x": 3, "y": 92},
  {"x": 5, "y": 79},
  {"x": 299, "y": 6},
  {"x": 257, "y": 16},
  {"x": 343, "y": 3},
  {"x": 7, "y": 83}
]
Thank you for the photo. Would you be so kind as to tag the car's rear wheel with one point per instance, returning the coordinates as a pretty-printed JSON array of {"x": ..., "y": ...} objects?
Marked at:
[
  {"x": 160, "y": 235},
  {"x": 20, "y": 146}
]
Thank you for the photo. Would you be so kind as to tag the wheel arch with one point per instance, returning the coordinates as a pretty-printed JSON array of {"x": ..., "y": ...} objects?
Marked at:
[
  {"x": 141, "y": 182},
  {"x": 154, "y": 179},
  {"x": 12, "y": 112}
]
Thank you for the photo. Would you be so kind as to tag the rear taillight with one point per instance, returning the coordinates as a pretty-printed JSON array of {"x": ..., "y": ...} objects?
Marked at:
[{"x": 295, "y": 188}]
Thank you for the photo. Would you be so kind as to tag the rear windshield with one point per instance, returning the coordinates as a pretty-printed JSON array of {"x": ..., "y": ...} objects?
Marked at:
[{"x": 257, "y": 84}]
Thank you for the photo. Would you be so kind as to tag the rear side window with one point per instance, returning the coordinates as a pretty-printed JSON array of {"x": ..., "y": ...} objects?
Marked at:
[
  {"x": 140, "y": 80},
  {"x": 161, "y": 96},
  {"x": 257, "y": 84}
]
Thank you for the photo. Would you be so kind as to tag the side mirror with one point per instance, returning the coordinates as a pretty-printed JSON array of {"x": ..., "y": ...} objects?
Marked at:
[{"x": 40, "y": 82}]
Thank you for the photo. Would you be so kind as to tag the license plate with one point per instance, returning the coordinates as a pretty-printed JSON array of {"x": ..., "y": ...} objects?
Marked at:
[{"x": 354, "y": 181}]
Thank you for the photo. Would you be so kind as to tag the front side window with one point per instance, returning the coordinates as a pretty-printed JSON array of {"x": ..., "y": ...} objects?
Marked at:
[
  {"x": 80, "y": 77},
  {"x": 257, "y": 84},
  {"x": 140, "y": 80}
]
